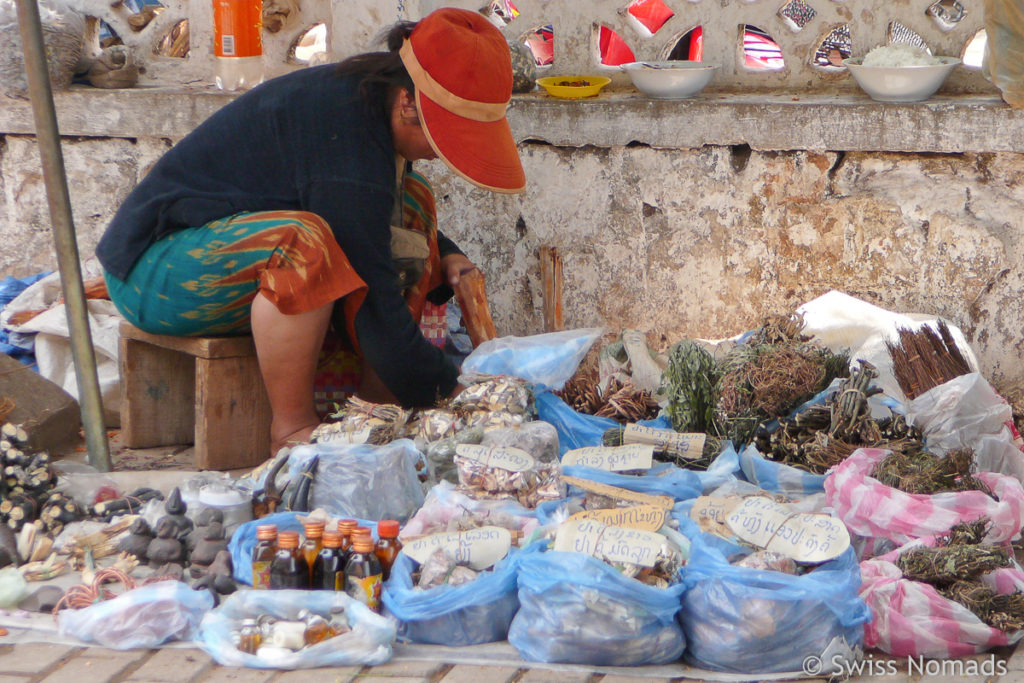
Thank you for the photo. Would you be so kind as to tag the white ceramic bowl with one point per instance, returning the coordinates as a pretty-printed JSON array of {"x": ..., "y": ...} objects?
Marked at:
[
  {"x": 901, "y": 83},
  {"x": 669, "y": 80}
]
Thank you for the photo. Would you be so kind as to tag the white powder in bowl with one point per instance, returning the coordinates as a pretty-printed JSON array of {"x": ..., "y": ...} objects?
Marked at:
[{"x": 899, "y": 55}]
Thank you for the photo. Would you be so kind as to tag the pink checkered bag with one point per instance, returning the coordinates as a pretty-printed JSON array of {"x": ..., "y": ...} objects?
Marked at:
[
  {"x": 911, "y": 618},
  {"x": 872, "y": 509}
]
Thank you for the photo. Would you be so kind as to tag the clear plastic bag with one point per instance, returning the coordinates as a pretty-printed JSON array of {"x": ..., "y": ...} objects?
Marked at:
[
  {"x": 469, "y": 614},
  {"x": 368, "y": 643},
  {"x": 538, "y": 438},
  {"x": 143, "y": 617},
  {"x": 778, "y": 477},
  {"x": 368, "y": 482},
  {"x": 577, "y": 609},
  {"x": 547, "y": 361},
  {"x": 446, "y": 509},
  {"x": 747, "y": 621}
]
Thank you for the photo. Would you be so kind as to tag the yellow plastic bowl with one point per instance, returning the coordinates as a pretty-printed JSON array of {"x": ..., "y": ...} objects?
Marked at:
[{"x": 553, "y": 84}]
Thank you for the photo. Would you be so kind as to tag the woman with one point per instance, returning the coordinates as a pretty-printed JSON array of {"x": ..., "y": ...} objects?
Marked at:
[{"x": 282, "y": 208}]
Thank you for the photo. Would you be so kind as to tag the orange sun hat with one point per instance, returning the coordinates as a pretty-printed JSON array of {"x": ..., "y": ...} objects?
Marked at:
[{"x": 462, "y": 69}]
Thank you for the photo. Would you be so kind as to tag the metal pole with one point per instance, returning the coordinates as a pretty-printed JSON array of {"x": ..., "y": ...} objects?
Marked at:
[{"x": 48, "y": 139}]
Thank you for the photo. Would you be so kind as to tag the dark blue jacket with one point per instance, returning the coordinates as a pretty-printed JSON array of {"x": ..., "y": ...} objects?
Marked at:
[{"x": 303, "y": 141}]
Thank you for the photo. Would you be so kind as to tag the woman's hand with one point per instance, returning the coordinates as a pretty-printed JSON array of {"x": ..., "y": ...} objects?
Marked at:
[{"x": 454, "y": 267}]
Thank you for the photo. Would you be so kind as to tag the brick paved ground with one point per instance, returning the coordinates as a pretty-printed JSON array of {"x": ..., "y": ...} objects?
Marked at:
[{"x": 42, "y": 663}]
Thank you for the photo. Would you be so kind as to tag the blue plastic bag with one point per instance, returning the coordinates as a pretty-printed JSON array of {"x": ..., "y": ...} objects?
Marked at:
[
  {"x": 244, "y": 540},
  {"x": 747, "y": 620},
  {"x": 547, "y": 361},
  {"x": 369, "y": 642},
  {"x": 575, "y": 430},
  {"x": 661, "y": 480},
  {"x": 469, "y": 614},
  {"x": 143, "y": 617},
  {"x": 577, "y": 609},
  {"x": 779, "y": 477}
]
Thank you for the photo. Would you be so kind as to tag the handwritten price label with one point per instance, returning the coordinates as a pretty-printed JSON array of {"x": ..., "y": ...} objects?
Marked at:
[
  {"x": 646, "y": 517},
  {"x": 612, "y": 459},
  {"x": 479, "y": 548},
  {"x": 689, "y": 446},
  {"x": 344, "y": 436},
  {"x": 710, "y": 512},
  {"x": 610, "y": 543},
  {"x": 805, "y": 537},
  {"x": 502, "y": 457}
]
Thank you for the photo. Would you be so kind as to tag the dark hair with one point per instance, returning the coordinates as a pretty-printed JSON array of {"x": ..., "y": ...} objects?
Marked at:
[{"x": 383, "y": 72}]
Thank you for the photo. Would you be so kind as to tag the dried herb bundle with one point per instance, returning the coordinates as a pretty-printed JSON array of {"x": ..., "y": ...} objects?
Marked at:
[
  {"x": 919, "y": 471},
  {"x": 621, "y": 401},
  {"x": 923, "y": 359},
  {"x": 822, "y": 436},
  {"x": 690, "y": 380},
  {"x": 954, "y": 567}
]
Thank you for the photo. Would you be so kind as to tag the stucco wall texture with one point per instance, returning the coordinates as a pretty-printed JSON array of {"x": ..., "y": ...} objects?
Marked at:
[{"x": 678, "y": 242}]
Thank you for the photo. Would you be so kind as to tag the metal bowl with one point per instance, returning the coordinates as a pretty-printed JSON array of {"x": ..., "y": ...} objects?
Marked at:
[
  {"x": 901, "y": 83},
  {"x": 669, "y": 80}
]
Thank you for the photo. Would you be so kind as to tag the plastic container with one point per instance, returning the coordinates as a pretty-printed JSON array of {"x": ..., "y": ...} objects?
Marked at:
[
  {"x": 238, "y": 43},
  {"x": 235, "y": 505}
]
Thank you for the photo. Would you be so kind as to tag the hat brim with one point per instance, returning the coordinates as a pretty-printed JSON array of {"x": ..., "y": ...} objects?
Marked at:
[{"x": 482, "y": 152}]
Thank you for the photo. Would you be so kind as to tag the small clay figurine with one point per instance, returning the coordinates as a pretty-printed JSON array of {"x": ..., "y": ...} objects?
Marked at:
[
  {"x": 218, "y": 577},
  {"x": 165, "y": 547},
  {"x": 175, "y": 508},
  {"x": 203, "y": 520},
  {"x": 206, "y": 550},
  {"x": 138, "y": 539},
  {"x": 171, "y": 570}
]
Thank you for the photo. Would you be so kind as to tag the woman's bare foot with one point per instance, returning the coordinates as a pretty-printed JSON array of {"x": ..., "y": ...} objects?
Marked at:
[{"x": 297, "y": 436}]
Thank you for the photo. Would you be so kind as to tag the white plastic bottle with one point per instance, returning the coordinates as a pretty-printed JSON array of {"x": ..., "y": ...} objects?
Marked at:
[{"x": 238, "y": 43}]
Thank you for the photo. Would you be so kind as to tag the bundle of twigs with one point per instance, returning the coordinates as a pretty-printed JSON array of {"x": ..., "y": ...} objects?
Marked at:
[
  {"x": 955, "y": 566},
  {"x": 923, "y": 359},
  {"x": 919, "y": 471},
  {"x": 822, "y": 436},
  {"x": 712, "y": 447},
  {"x": 621, "y": 401}
]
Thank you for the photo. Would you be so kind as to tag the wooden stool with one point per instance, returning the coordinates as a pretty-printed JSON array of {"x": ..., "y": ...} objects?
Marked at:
[{"x": 202, "y": 390}]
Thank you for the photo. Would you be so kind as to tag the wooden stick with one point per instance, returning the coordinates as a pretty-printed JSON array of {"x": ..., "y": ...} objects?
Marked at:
[
  {"x": 551, "y": 283},
  {"x": 476, "y": 312}
]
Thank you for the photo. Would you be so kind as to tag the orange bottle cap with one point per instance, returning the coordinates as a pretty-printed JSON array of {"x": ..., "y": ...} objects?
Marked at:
[
  {"x": 387, "y": 528},
  {"x": 288, "y": 539},
  {"x": 332, "y": 539}
]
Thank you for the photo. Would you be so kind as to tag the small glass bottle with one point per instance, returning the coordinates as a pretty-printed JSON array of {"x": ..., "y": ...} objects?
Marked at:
[
  {"x": 249, "y": 637},
  {"x": 329, "y": 566},
  {"x": 388, "y": 546},
  {"x": 317, "y": 628},
  {"x": 363, "y": 574},
  {"x": 289, "y": 568},
  {"x": 263, "y": 555},
  {"x": 313, "y": 543},
  {"x": 346, "y": 527}
]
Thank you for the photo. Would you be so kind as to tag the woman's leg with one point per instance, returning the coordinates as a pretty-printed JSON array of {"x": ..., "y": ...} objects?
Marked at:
[{"x": 287, "y": 347}]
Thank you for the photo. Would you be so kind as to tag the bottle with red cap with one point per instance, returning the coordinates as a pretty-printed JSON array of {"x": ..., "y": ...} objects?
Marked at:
[{"x": 388, "y": 546}]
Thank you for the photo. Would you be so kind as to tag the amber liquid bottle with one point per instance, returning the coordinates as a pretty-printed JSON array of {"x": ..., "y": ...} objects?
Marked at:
[
  {"x": 289, "y": 568},
  {"x": 346, "y": 528},
  {"x": 312, "y": 545},
  {"x": 388, "y": 545},
  {"x": 263, "y": 555},
  {"x": 363, "y": 576},
  {"x": 329, "y": 566}
]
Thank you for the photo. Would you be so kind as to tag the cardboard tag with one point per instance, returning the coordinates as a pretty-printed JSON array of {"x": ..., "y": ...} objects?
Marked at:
[
  {"x": 349, "y": 436},
  {"x": 612, "y": 458},
  {"x": 611, "y": 543},
  {"x": 502, "y": 457},
  {"x": 479, "y": 548},
  {"x": 710, "y": 512},
  {"x": 619, "y": 493},
  {"x": 689, "y": 446},
  {"x": 646, "y": 517},
  {"x": 805, "y": 537}
]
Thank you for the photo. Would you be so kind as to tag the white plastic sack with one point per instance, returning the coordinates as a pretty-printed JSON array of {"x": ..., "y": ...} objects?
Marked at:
[
  {"x": 839, "y": 321},
  {"x": 966, "y": 412},
  {"x": 53, "y": 343}
]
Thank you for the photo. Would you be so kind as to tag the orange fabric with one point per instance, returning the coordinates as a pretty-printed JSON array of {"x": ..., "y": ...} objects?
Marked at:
[{"x": 462, "y": 69}]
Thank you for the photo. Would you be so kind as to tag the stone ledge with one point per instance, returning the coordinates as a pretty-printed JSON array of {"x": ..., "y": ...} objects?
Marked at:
[{"x": 779, "y": 121}]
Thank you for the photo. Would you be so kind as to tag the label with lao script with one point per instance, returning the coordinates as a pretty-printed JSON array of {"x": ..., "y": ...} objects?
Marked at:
[
  {"x": 689, "y": 446},
  {"x": 612, "y": 458},
  {"x": 336, "y": 433},
  {"x": 609, "y": 543},
  {"x": 646, "y": 517},
  {"x": 502, "y": 457},
  {"x": 477, "y": 548},
  {"x": 805, "y": 537},
  {"x": 710, "y": 513}
]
